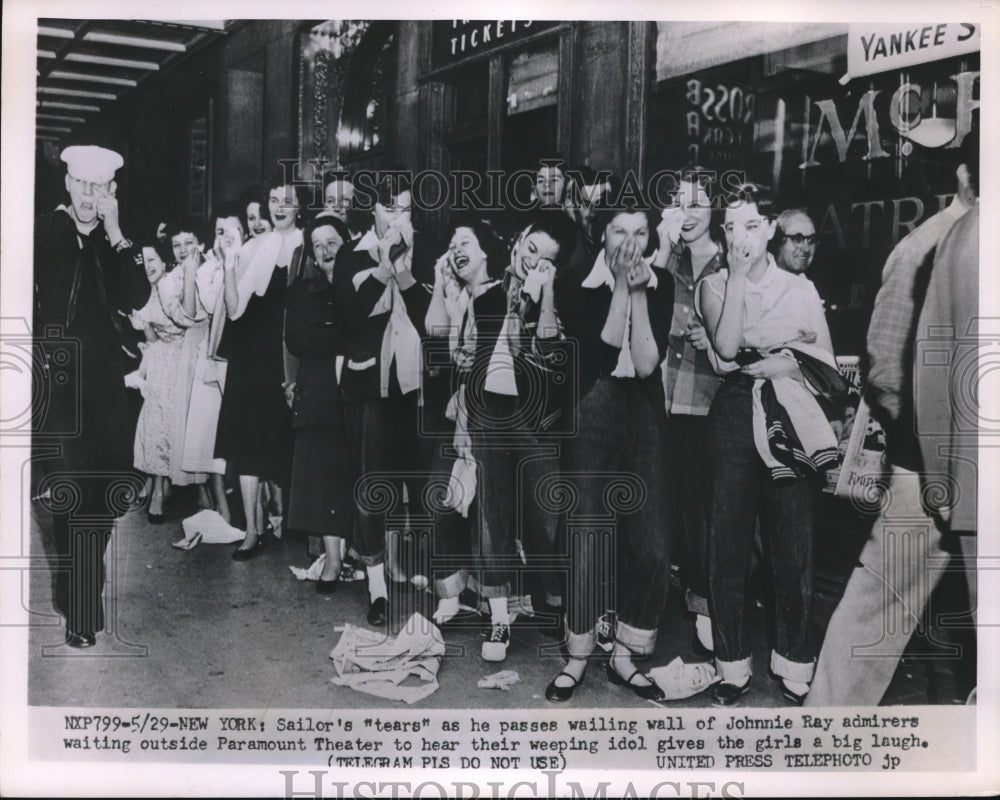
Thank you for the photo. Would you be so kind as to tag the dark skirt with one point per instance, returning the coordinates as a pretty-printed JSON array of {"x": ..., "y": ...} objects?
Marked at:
[
  {"x": 322, "y": 492},
  {"x": 255, "y": 423}
]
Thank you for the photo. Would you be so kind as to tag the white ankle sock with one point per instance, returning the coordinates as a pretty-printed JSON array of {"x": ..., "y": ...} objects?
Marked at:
[
  {"x": 376, "y": 582},
  {"x": 703, "y": 628},
  {"x": 498, "y": 611},
  {"x": 446, "y": 609}
]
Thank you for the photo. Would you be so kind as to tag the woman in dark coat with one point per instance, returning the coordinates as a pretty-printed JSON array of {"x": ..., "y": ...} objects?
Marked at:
[{"x": 321, "y": 501}]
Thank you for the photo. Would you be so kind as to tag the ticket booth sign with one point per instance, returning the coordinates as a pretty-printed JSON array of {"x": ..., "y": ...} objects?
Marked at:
[{"x": 456, "y": 39}]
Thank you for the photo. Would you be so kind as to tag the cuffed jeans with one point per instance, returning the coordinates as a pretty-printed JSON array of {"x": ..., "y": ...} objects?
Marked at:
[
  {"x": 616, "y": 533},
  {"x": 384, "y": 440},
  {"x": 741, "y": 488},
  {"x": 511, "y": 465},
  {"x": 686, "y": 494},
  {"x": 884, "y": 600}
]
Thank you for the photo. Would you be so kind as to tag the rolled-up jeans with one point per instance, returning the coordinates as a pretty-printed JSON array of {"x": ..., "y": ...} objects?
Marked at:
[
  {"x": 616, "y": 533},
  {"x": 685, "y": 490},
  {"x": 741, "y": 488},
  {"x": 511, "y": 464},
  {"x": 383, "y": 437}
]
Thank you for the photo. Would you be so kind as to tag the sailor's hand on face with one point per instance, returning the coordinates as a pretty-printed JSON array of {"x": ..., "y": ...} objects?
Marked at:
[{"x": 107, "y": 207}]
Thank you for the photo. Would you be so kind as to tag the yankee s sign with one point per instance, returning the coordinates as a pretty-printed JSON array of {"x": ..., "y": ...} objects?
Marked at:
[{"x": 880, "y": 48}]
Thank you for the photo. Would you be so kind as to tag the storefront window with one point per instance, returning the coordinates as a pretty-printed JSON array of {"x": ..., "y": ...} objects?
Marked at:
[
  {"x": 530, "y": 127},
  {"x": 869, "y": 156}
]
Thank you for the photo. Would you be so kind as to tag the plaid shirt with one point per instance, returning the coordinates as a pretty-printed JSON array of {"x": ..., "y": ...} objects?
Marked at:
[
  {"x": 689, "y": 380},
  {"x": 894, "y": 318}
]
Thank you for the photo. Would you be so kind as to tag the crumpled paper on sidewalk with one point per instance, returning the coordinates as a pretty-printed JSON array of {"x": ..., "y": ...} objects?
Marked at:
[
  {"x": 208, "y": 527},
  {"x": 312, "y": 572},
  {"x": 501, "y": 680},
  {"x": 371, "y": 663},
  {"x": 679, "y": 680},
  {"x": 315, "y": 570}
]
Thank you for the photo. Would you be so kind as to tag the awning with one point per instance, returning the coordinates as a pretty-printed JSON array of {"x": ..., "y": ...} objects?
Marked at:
[
  {"x": 85, "y": 66},
  {"x": 685, "y": 47}
]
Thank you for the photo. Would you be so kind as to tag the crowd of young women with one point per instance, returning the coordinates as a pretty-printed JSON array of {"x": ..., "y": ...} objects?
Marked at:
[{"x": 656, "y": 368}]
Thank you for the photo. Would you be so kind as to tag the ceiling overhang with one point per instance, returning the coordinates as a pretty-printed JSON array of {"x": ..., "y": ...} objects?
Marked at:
[{"x": 86, "y": 66}]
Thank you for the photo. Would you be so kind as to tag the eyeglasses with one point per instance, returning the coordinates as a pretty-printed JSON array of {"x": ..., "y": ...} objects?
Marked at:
[{"x": 799, "y": 239}]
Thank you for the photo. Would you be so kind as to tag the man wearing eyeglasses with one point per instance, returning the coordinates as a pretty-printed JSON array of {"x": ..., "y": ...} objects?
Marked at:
[
  {"x": 797, "y": 241},
  {"x": 87, "y": 279}
]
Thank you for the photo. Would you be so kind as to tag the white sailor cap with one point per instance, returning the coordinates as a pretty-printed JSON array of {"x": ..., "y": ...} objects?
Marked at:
[{"x": 91, "y": 163}]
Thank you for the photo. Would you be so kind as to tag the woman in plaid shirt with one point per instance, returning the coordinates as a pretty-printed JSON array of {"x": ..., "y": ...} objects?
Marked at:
[{"x": 689, "y": 251}]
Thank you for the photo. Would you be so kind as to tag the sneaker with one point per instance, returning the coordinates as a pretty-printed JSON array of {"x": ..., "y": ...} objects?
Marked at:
[{"x": 495, "y": 648}]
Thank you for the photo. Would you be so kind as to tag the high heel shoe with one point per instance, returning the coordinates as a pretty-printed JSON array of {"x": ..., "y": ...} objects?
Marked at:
[
  {"x": 555, "y": 693},
  {"x": 647, "y": 692},
  {"x": 246, "y": 553},
  {"x": 155, "y": 517}
]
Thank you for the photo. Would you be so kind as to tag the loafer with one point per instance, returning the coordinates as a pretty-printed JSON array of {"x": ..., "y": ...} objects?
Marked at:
[
  {"x": 791, "y": 696},
  {"x": 560, "y": 694},
  {"x": 377, "y": 611},
  {"x": 80, "y": 640},
  {"x": 325, "y": 587},
  {"x": 156, "y": 519},
  {"x": 649, "y": 691},
  {"x": 725, "y": 694}
]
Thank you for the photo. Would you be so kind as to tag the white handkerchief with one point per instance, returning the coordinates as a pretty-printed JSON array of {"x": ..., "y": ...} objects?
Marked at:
[
  {"x": 208, "y": 527},
  {"x": 679, "y": 680},
  {"x": 502, "y": 680},
  {"x": 312, "y": 572}
]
